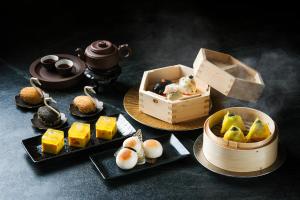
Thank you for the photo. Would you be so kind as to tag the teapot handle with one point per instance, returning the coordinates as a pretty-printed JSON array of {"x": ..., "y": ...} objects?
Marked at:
[
  {"x": 80, "y": 53},
  {"x": 124, "y": 51}
]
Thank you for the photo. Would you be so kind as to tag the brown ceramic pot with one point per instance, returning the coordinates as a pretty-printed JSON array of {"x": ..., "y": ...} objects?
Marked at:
[{"x": 103, "y": 55}]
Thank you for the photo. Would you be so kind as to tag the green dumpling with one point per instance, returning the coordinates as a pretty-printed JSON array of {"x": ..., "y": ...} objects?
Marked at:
[
  {"x": 234, "y": 133},
  {"x": 231, "y": 119}
]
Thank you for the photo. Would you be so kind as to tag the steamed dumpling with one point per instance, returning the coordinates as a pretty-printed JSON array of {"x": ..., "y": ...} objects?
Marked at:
[
  {"x": 126, "y": 159},
  {"x": 187, "y": 85},
  {"x": 152, "y": 148},
  {"x": 231, "y": 119},
  {"x": 135, "y": 144},
  {"x": 234, "y": 133},
  {"x": 258, "y": 131},
  {"x": 172, "y": 92}
]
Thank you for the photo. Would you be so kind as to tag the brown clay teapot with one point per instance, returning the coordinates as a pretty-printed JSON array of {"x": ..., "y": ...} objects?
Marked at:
[{"x": 103, "y": 55}]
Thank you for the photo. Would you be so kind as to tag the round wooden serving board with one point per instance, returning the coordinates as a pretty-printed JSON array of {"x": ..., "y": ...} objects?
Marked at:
[{"x": 131, "y": 105}]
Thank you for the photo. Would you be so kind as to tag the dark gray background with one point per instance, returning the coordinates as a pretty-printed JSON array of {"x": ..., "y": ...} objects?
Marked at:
[{"x": 160, "y": 34}]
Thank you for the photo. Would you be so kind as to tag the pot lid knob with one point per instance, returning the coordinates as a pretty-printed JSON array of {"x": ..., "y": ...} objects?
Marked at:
[
  {"x": 102, "y": 47},
  {"x": 102, "y": 44}
]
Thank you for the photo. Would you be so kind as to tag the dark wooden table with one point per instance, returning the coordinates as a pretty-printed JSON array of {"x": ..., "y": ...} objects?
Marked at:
[{"x": 158, "y": 38}]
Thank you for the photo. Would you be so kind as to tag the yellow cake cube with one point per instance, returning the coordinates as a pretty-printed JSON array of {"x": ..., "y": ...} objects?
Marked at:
[
  {"x": 106, "y": 127},
  {"x": 79, "y": 134},
  {"x": 52, "y": 141}
]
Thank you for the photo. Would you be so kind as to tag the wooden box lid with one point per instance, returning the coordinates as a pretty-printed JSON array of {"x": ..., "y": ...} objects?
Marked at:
[{"x": 228, "y": 75}]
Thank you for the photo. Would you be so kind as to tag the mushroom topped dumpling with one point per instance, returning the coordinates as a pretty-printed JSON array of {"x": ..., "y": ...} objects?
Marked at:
[
  {"x": 234, "y": 133},
  {"x": 85, "y": 104},
  {"x": 231, "y": 119},
  {"x": 258, "y": 131}
]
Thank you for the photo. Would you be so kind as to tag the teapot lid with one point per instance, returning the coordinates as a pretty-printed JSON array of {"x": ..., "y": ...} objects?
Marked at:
[{"x": 102, "y": 47}]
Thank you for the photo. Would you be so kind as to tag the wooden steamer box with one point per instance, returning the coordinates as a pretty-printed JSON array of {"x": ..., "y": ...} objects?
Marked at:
[
  {"x": 228, "y": 75},
  {"x": 170, "y": 111}
]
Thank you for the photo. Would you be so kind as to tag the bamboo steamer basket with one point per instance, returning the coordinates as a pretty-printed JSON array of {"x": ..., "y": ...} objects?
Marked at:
[{"x": 236, "y": 156}]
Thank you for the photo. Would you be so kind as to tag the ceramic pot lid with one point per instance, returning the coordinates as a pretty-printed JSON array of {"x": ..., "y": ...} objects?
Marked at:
[{"x": 101, "y": 49}]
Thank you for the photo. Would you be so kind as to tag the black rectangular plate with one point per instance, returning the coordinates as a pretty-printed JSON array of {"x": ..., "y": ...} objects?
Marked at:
[
  {"x": 33, "y": 146},
  {"x": 105, "y": 162}
]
